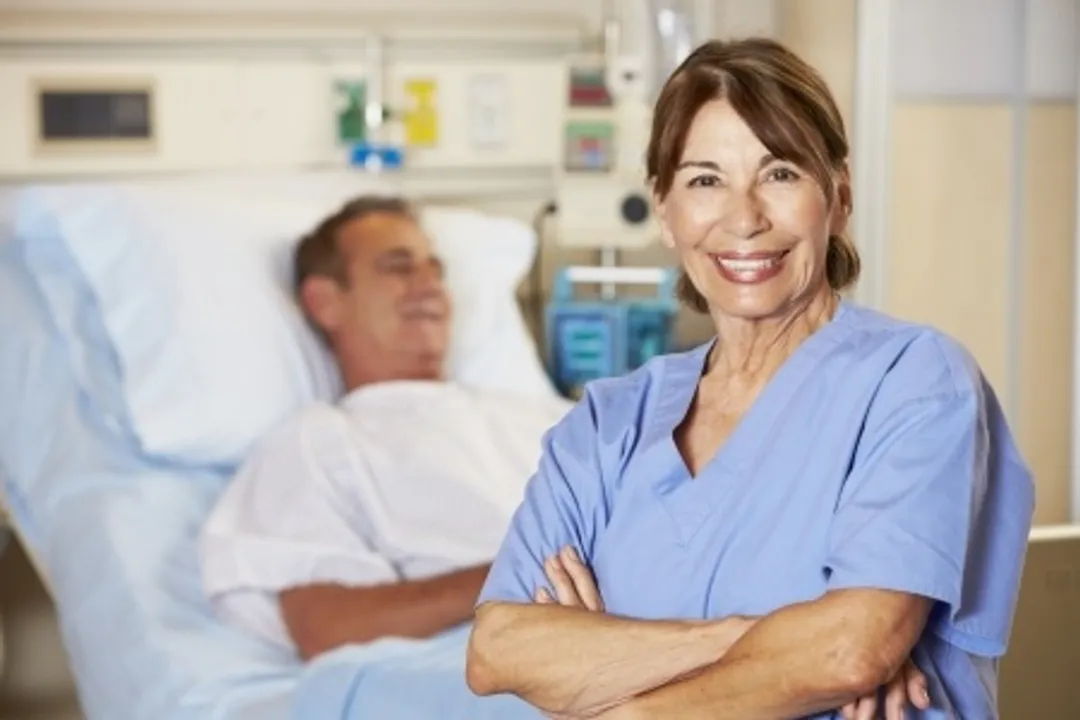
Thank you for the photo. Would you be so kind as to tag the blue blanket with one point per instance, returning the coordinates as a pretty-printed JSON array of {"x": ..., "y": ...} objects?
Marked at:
[{"x": 400, "y": 679}]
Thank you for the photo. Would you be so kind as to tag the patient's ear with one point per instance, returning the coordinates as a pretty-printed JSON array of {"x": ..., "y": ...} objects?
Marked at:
[{"x": 321, "y": 298}]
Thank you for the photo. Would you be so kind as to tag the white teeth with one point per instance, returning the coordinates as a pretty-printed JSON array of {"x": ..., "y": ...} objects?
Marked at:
[{"x": 748, "y": 265}]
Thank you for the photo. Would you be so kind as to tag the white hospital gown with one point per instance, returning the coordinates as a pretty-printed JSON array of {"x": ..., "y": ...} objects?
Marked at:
[{"x": 399, "y": 481}]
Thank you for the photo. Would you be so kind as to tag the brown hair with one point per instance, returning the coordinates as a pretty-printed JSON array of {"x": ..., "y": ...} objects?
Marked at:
[
  {"x": 318, "y": 253},
  {"x": 787, "y": 105}
]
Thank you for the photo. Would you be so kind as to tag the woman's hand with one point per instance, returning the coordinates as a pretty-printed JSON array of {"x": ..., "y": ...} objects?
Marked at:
[
  {"x": 907, "y": 685},
  {"x": 572, "y": 582},
  {"x": 574, "y": 586}
]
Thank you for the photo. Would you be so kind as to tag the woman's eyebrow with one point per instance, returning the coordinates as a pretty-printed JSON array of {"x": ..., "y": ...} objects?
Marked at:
[
  {"x": 710, "y": 165},
  {"x": 705, "y": 164}
]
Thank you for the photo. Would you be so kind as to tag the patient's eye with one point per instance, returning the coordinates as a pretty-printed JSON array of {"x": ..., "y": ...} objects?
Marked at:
[
  {"x": 398, "y": 262},
  {"x": 401, "y": 267},
  {"x": 406, "y": 264},
  {"x": 438, "y": 268}
]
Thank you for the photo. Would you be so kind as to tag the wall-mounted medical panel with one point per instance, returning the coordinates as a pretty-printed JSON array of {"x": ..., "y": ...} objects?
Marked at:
[
  {"x": 111, "y": 113},
  {"x": 261, "y": 114},
  {"x": 485, "y": 115},
  {"x": 187, "y": 110}
]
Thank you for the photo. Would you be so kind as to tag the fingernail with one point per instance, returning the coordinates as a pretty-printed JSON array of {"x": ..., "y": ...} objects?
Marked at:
[
  {"x": 544, "y": 594},
  {"x": 925, "y": 695},
  {"x": 570, "y": 553}
]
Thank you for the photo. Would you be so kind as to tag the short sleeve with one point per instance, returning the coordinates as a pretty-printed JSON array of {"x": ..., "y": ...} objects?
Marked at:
[
  {"x": 937, "y": 503},
  {"x": 563, "y": 505},
  {"x": 285, "y": 522}
]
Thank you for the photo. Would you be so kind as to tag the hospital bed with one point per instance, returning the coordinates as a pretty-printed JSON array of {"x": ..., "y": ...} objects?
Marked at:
[{"x": 148, "y": 340}]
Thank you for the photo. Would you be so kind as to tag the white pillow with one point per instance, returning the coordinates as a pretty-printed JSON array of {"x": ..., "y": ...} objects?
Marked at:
[{"x": 177, "y": 300}]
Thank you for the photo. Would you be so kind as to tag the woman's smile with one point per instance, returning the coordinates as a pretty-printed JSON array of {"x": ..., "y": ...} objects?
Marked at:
[{"x": 750, "y": 268}]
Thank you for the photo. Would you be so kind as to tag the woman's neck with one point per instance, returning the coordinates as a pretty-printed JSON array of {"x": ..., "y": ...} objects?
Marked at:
[{"x": 753, "y": 349}]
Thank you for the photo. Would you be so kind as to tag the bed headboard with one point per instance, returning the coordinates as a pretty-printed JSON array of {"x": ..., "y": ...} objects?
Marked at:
[{"x": 261, "y": 91}]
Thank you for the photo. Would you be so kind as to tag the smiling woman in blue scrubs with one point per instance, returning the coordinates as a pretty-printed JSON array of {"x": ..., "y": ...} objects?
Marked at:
[{"x": 776, "y": 520}]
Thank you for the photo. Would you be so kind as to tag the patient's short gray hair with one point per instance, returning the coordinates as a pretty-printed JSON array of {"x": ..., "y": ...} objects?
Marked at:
[{"x": 318, "y": 253}]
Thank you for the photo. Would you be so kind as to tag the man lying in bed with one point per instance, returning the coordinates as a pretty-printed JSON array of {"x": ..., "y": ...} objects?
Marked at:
[{"x": 379, "y": 515}]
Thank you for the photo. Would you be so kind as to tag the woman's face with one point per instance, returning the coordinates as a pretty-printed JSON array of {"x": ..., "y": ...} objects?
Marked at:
[{"x": 751, "y": 231}]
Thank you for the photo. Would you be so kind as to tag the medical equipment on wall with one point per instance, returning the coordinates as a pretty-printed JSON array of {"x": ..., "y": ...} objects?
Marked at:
[
  {"x": 602, "y": 199},
  {"x": 591, "y": 339},
  {"x": 600, "y": 182},
  {"x": 364, "y": 117}
]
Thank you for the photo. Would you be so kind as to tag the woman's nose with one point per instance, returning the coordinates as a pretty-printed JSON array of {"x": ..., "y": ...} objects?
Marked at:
[{"x": 743, "y": 215}]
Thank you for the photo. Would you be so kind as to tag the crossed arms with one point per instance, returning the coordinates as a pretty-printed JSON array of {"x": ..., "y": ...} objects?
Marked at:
[{"x": 570, "y": 660}]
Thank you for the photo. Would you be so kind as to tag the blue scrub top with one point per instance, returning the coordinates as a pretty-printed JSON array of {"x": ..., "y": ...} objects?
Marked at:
[{"x": 876, "y": 457}]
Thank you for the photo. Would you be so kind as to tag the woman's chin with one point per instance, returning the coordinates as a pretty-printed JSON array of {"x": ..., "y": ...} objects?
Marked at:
[{"x": 749, "y": 303}]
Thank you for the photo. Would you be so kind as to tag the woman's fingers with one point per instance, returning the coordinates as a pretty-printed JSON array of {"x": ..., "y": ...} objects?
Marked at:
[
  {"x": 896, "y": 697},
  {"x": 917, "y": 687},
  {"x": 867, "y": 708},
  {"x": 582, "y": 577},
  {"x": 909, "y": 685},
  {"x": 543, "y": 597},
  {"x": 571, "y": 581},
  {"x": 561, "y": 583}
]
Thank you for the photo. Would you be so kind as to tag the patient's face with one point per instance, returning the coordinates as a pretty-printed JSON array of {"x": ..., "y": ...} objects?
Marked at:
[{"x": 395, "y": 312}]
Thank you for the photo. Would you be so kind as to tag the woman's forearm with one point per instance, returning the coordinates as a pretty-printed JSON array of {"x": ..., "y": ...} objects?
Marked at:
[
  {"x": 798, "y": 661},
  {"x": 576, "y": 662}
]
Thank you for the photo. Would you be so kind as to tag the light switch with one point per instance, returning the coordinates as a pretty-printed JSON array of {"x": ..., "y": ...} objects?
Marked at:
[{"x": 489, "y": 111}]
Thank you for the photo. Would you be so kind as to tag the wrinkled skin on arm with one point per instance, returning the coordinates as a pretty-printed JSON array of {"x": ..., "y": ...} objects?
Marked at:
[{"x": 573, "y": 585}]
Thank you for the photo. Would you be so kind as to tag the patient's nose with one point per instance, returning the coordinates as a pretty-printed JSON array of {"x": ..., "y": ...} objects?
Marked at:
[{"x": 428, "y": 278}]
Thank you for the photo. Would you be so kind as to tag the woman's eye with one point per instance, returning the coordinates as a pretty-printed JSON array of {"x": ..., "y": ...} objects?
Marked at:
[
  {"x": 783, "y": 174},
  {"x": 705, "y": 181}
]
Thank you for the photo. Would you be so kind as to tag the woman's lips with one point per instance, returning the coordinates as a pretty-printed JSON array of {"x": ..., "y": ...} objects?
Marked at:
[{"x": 750, "y": 268}]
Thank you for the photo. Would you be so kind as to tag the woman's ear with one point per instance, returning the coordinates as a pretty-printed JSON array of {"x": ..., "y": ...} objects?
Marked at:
[
  {"x": 321, "y": 298},
  {"x": 843, "y": 203},
  {"x": 660, "y": 209}
]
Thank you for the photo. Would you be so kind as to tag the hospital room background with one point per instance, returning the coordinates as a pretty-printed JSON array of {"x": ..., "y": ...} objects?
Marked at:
[{"x": 523, "y": 120}]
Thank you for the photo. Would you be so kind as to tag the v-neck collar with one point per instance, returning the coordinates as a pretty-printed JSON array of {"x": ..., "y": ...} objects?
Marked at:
[{"x": 691, "y": 500}]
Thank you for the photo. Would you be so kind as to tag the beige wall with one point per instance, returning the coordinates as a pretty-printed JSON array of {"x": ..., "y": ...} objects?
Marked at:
[
  {"x": 949, "y": 259},
  {"x": 1044, "y": 407},
  {"x": 823, "y": 33},
  {"x": 949, "y": 224}
]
